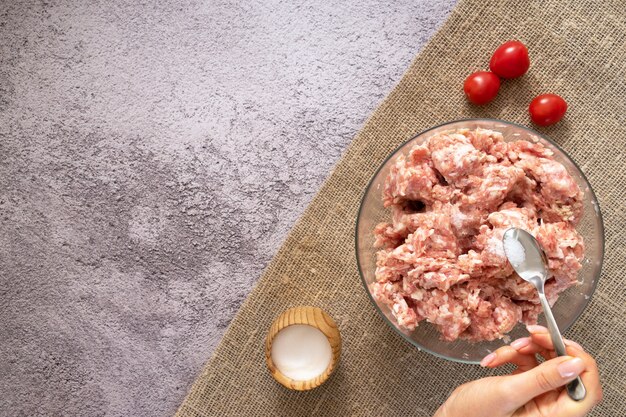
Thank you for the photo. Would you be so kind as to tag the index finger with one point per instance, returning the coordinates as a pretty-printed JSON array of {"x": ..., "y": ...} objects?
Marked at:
[
  {"x": 508, "y": 354},
  {"x": 544, "y": 340}
]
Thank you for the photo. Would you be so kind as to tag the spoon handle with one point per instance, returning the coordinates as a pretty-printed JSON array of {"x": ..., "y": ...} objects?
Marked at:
[{"x": 575, "y": 389}]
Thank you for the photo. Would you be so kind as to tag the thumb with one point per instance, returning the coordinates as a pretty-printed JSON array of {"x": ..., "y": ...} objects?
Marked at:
[{"x": 548, "y": 376}]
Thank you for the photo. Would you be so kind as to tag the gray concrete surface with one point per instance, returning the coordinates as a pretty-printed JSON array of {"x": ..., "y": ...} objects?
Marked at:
[{"x": 152, "y": 159}]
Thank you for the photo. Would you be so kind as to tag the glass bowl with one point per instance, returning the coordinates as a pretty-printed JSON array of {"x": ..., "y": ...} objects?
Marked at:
[{"x": 570, "y": 304}]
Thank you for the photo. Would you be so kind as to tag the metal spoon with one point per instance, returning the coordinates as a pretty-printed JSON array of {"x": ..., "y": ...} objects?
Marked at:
[{"x": 529, "y": 261}]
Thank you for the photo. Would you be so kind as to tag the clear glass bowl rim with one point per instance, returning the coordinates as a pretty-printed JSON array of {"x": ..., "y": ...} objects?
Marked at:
[{"x": 475, "y": 119}]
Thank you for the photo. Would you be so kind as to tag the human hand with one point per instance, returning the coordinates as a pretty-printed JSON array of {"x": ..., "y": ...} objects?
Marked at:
[{"x": 533, "y": 389}]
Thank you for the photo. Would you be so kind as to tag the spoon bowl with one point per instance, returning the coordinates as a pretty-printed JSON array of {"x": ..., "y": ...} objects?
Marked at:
[{"x": 525, "y": 255}]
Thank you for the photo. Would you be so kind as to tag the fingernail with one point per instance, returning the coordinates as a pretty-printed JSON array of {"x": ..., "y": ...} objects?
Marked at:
[
  {"x": 572, "y": 343},
  {"x": 533, "y": 328},
  {"x": 571, "y": 367},
  {"x": 520, "y": 343},
  {"x": 488, "y": 359}
]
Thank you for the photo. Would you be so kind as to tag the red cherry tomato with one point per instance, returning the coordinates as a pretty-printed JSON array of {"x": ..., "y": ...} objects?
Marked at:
[
  {"x": 481, "y": 87},
  {"x": 510, "y": 60},
  {"x": 547, "y": 109}
]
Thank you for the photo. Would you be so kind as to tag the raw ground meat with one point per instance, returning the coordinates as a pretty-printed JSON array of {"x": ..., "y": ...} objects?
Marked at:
[{"x": 441, "y": 257}]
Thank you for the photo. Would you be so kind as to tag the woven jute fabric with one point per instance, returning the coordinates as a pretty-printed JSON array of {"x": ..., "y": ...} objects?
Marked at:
[{"x": 578, "y": 50}]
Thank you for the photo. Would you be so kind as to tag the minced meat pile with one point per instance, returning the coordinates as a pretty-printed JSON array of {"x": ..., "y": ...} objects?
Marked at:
[{"x": 441, "y": 257}]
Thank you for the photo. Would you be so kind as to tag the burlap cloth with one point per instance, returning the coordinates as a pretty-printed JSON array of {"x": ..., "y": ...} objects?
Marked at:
[{"x": 578, "y": 50}]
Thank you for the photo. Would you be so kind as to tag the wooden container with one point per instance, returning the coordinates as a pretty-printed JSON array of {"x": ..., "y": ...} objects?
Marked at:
[{"x": 312, "y": 316}]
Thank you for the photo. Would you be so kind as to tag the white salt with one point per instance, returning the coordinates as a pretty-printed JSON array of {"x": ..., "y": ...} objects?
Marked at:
[
  {"x": 494, "y": 245},
  {"x": 301, "y": 352},
  {"x": 458, "y": 218},
  {"x": 514, "y": 251}
]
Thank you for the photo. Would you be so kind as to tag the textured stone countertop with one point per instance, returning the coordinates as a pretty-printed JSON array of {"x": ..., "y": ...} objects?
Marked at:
[{"x": 152, "y": 160}]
